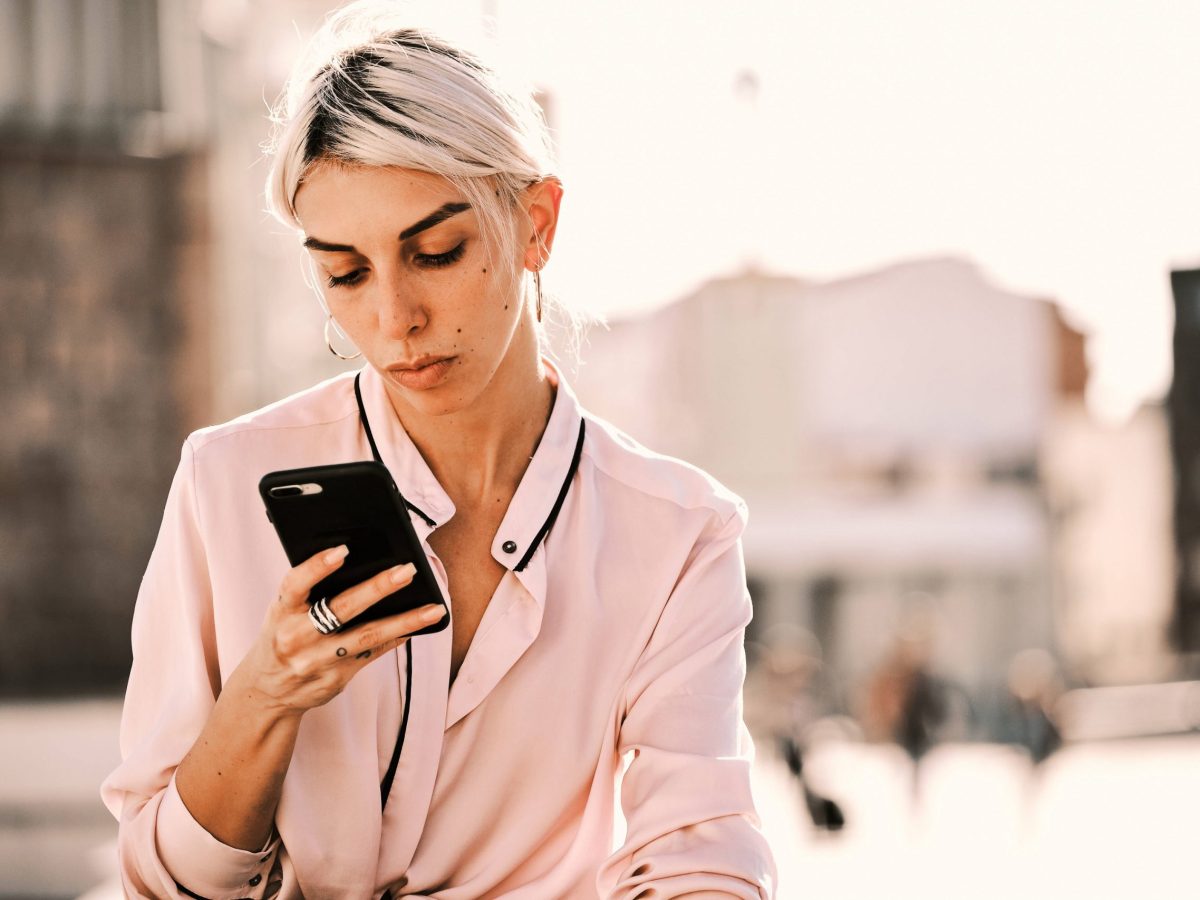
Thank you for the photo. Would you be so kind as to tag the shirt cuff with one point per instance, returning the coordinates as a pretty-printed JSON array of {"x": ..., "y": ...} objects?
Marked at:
[{"x": 202, "y": 865}]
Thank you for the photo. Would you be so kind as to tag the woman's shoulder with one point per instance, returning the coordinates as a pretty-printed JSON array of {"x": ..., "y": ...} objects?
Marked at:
[
  {"x": 328, "y": 403},
  {"x": 658, "y": 478}
]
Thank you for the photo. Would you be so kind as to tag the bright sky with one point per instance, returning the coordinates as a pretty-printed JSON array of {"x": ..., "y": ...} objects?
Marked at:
[{"x": 1054, "y": 143}]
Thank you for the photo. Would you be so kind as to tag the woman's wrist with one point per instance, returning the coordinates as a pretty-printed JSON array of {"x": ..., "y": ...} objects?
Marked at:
[
  {"x": 248, "y": 688},
  {"x": 231, "y": 779}
]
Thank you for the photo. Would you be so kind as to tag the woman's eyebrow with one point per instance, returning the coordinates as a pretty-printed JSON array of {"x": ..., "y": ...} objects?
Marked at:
[
  {"x": 441, "y": 214},
  {"x": 438, "y": 215}
]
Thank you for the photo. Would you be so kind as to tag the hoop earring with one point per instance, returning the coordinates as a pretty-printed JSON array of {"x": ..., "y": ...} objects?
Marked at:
[
  {"x": 537, "y": 283},
  {"x": 328, "y": 343}
]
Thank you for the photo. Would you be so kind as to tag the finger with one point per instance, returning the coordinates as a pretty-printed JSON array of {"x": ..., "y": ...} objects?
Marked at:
[
  {"x": 380, "y": 632},
  {"x": 300, "y": 580},
  {"x": 352, "y": 601},
  {"x": 365, "y": 656}
]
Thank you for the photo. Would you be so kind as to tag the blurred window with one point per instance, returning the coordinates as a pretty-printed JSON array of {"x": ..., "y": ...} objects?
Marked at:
[
  {"x": 86, "y": 68},
  {"x": 1022, "y": 472}
]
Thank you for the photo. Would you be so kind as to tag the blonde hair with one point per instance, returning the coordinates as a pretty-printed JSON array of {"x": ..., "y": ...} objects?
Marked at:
[{"x": 370, "y": 93}]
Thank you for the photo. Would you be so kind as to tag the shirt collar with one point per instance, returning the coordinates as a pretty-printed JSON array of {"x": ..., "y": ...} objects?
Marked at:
[{"x": 537, "y": 498}]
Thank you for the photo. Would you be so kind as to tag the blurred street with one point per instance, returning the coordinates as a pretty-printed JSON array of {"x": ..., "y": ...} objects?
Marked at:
[{"x": 1109, "y": 820}]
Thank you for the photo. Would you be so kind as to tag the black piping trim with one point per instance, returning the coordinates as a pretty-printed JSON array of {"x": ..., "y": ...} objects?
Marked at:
[
  {"x": 385, "y": 787},
  {"x": 362, "y": 417},
  {"x": 428, "y": 521},
  {"x": 562, "y": 495},
  {"x": 184, "y": 890}
]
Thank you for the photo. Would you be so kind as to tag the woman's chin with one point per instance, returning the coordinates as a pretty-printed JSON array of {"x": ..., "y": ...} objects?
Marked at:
[{"x": 444, "y": 399}]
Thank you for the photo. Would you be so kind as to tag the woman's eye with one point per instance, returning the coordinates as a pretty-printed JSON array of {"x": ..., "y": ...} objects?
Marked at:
[
  {"x": 424, "y": 260},
  {"x": 350, "y": 278},
  {"x": 437, "y": 260}
]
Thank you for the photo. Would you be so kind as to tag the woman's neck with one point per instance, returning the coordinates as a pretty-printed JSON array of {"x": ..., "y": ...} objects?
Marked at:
[{"x": 479, "y": 454}]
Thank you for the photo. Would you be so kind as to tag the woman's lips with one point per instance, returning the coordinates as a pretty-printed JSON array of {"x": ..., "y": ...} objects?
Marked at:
[{"x": 425, "y": 377}]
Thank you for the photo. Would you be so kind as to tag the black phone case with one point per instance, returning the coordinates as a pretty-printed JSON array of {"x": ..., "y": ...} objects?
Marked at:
[{"x": 359, "y": 505}]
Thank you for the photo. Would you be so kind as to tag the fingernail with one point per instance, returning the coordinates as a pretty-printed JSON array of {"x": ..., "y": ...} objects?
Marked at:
[
  {"x": 432, "y": 613},
  {"x": 336, "y": 553},
  {"x": 403, "y": 573}
]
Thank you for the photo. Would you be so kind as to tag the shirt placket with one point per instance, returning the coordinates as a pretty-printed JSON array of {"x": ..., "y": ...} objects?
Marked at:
[{"x": 416, "y": 773}]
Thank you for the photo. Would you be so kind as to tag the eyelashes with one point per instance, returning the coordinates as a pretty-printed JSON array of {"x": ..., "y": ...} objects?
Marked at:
[
  {"x": 438, "y": 260},
  {"x": 346, "y": 280},
  {"x": 422, "y": 260}
]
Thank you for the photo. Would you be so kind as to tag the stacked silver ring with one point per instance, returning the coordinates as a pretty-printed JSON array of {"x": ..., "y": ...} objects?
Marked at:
[{"x": 323, "y": 618}]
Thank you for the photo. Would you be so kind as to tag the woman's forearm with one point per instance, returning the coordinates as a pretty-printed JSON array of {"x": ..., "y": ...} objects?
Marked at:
[{"x": 231, "y": 779}]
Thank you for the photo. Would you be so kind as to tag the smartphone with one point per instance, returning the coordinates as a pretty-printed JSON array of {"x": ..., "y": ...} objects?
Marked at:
[{"x": 359, "y": 505}]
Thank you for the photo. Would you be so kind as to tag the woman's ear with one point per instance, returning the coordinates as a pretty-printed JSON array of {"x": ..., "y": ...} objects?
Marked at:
[{"x": 541, "y": 203}]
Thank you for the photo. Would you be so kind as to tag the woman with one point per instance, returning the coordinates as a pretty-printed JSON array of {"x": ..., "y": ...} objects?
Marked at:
[{"x": 596, "y": 589}]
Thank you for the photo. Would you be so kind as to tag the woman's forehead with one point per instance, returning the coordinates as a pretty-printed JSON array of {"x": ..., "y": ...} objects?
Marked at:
[{"x": 345, "y": 196}]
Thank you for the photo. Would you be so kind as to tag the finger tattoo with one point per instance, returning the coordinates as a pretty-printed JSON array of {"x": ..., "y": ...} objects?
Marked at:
[
  {"x": 341, "y": 651},
  {"x": 364, "y": 655}
]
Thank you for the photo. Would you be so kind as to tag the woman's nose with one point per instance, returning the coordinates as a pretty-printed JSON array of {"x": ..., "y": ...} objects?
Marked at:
[{"x": 401, "y": 313}]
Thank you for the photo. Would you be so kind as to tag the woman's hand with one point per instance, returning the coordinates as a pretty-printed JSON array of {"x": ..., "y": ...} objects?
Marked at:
[
  {"x": 292, "y": 667},
  {"x": 231, "y": 779}
]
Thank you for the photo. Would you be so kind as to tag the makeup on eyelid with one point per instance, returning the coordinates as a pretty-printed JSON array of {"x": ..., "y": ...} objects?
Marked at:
[{"x": 424, "y": 260}]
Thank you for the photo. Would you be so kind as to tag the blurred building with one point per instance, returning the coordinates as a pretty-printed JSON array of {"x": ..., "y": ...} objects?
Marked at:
[
  {"x": 1110, "y": 490},
  {"x": 900, "y": 437},
  {"x": 104, "y": 327},
  {"x": 146, "y": 293}
]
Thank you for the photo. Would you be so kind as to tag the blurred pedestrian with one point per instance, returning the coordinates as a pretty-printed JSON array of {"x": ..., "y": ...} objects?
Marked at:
[
  {"x": 786, "y": 695},
  {"x": 910, "y": 705},
  {"x": 1029, "y": 721}
]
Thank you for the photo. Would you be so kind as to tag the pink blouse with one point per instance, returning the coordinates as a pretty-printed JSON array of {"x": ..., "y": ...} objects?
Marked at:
[{"x": 620, "y": 639}]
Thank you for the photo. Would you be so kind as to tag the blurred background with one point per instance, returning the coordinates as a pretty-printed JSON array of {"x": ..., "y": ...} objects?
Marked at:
[{"x": 920, "y": 281}]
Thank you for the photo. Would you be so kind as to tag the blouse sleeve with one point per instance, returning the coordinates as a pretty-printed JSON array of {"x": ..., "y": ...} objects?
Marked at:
[
  {"x": 692, "y": 825},
  {"x": 173, "y": 685}
]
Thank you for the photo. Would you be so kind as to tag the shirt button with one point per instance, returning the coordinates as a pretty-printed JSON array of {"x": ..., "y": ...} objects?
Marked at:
[
  {"x": 255, "y": 880},
  {"x": 509, "y": 547}
]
